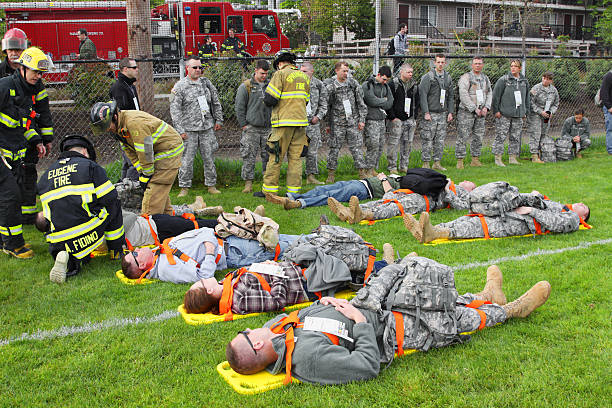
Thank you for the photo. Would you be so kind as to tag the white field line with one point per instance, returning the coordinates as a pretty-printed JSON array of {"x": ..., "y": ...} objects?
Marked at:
[{"x": 89, "y": 327}]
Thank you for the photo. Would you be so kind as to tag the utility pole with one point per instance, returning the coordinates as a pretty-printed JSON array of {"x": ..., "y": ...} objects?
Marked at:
[{"x": 138, "y": 13}]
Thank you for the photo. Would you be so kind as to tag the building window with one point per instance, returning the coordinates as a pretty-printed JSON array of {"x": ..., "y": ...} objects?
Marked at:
[
  {"x": 429, "y": 16},
  {"x": 265, "y": 24},
  {"x": 235, "y": 22},
  {"x": 464, "y": 17},
  {"x": 210, "y": 24}
]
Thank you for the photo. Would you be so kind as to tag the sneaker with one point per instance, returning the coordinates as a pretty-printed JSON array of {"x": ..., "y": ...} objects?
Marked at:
[
  {"x": 58, "y": 272},
  {"x": 22, "y": 252}
]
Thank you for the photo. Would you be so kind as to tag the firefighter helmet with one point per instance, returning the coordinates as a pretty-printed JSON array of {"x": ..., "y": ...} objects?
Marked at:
[
  {"x": 78, "y": 140},
  {"x": 284, "y": 56},
  {"x": 34, "y": 59},
  {"x": 15, "y": 39},
  {"x": 101, "y": 116}
]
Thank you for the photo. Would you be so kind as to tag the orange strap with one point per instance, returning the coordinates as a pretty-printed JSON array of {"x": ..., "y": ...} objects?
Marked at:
[
  {"x": 371, "y": 260},
  {"x": 32, "y": 114},
  {"x": 220, "y": 242},
  {"x": 277, "y": 251},
  {"x": 407, "y": 191},
  {"x": 582, "y": 222},
  {"x": 317, "y": 294},
  {"x": 401, "y": 208},
  {"x": 538, "y": 227},
  {"x": 145, "y": 273},
  {"x": 129, "y": 245},
  {"x": 399, "y": 332},
  {"x": 153, "y": 234},
  {"x": 189, "y": 216},
  {"x": 452, "y": 188},
  {"x": 485, "y": 228},
  {"x": 475, "y": 304},
  {"x": 229, "y": 283}
]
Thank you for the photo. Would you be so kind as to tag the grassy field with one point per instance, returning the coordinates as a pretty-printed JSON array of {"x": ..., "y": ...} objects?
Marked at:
[{"x": 96, "y": 342}]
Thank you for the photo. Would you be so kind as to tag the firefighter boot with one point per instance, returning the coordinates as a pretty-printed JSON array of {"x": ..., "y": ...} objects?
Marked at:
[
  {"x": 248, "y": 186},
  {"x": 337, "y": 208},
  {"x": 331, "y": 175},
  {"x": 535, "y": 159},
  {"x": 512, "y": 159},
  {"x": 530, "y": 301},
  {"x": 58, "y": 272},
  {"x": 413, "y": 226},
  {"x": 311, "y": 179},
  {"x": 493, "y": 288},
  {"x": 388, "y": 255},
  {"x": 357, "y": 214},
  {"x": 184, "y": 191},
  {"x": 438, "y": 166},
  {"x": 431, "y": 232},
  {"x": 23, "y": 252},
  {"x": 498, "y": 160},
  {"x": 475, "y": 162}
]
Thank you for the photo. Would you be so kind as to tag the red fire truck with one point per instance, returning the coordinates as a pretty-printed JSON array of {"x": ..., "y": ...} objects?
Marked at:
[{"x": 177, "y": 27}]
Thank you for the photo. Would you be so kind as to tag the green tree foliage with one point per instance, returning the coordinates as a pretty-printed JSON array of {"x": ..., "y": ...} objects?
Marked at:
[
  {"x": 603, "y": 24},
  {"x": 362, "y": 19}
]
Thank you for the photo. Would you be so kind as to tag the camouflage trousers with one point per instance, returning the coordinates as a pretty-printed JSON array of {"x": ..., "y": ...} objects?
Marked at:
[
  {"x": 340, "y": 133},
  {"x": 313, "y": 132},
  {"x": 253, "y": 139},
  {"x": 511, "y": 128},
  {"x": 400, "y": 140},
  {"x": 468, "y": 319},
  {"x": 538, "y": 135},
  {"x": 468, "y": 124},
  {"x": 206, "y": 142},
  {"x": 374, "y": 140},
  {"x": 433, "y": 133},
  {"x": 471, "y": 227},
  {"x": 384, "y": 208}
]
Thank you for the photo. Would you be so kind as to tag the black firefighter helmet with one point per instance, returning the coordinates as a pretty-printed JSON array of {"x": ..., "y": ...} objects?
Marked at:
[
  {"x": 284, "y": 56},
  {"x": 78, "y": 140}
]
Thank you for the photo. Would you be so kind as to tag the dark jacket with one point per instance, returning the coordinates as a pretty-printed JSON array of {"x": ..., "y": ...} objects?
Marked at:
[
  {"x": 123, "y": 91},
  {"x": 87, "y": 50},
  {"x": 605, "y": 91},
  {"x": 401, "y": 91},
  {"x": 5, "y": 68},
  {"x": 377, "y": 97},
  {"x": 503, "y": 100},
  {"x": 430, "y": 90}
]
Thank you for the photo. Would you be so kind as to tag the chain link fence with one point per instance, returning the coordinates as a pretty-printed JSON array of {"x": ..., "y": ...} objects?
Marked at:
[{"x": 577, "y": 81}]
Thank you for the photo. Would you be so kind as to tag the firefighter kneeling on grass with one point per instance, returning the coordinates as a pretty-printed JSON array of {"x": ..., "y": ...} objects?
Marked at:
[
  {"x": 80, "y": 208},
  {"x": 154, "y": 148},
  {"x": 18, "y": 122}
]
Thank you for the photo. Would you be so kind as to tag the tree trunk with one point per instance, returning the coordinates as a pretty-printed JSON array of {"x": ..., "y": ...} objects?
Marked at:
[{"x": 139, "y": 48}]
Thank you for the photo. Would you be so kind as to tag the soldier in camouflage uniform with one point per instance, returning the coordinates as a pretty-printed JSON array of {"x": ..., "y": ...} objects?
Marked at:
[
  {"x": 378, "y": 97},
  {"x": 577, "y": 129},
  {"x": 196, "y": 113},
  {"x": 367, "y": 326},
  {"x": 437, "y": 103},
  {"x": 544, "y": 104},
  {"x": 402, "y": 115},
  {"x": 316, "y": 109},
  {"x": 511, "y": 103},
  {"x": 348, "y": 113},
  {"x": 475, "y": 95},
  {"x": 253, "y": 116}
]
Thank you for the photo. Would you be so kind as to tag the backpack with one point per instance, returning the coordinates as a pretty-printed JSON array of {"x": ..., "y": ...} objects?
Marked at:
[
  {"x": 493, "y": 199},
  {"x": 424, "y": 181},
  {"x": 423, "y": 291},
  {"x": 563, "y": 149},
  {"x": 391, "y": 46},
  {"x": 246, "y": 224}
]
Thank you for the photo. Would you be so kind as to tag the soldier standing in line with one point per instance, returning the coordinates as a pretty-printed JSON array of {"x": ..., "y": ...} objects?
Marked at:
[
  {"x": 437, "y": 102},
  {"x": 475, "y": 95},
  {"x": 348, "y": 113},
  {"x": 316, "y": 110},
  {"x": 196, "y": 114},
  {"x": 402, "y": 115},
  {"x": 544, "y": 104},
  {"x": 253, "y": 116},
  {"x": 510, "y": 104},
  {"x": 378, "y": 98}
]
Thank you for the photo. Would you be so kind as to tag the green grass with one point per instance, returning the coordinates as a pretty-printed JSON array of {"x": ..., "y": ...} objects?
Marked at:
[{"x": 558, "y": 356}]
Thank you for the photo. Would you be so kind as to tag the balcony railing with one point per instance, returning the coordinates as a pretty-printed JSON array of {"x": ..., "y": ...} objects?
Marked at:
[{"x": 418, "y": 26}]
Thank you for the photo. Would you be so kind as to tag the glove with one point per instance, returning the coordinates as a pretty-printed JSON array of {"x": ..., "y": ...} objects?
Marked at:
[{"x": 144, "y": 180}]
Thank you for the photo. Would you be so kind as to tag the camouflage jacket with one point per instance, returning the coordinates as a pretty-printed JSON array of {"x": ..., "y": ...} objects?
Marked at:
[
  {"x": 571, "y": 128},
  {"x": 468, "y": 84},
  {"x": 540, "y": 95},
  {"x": 187, "y": 112},
  {"x": 348, "y": 90},
  {"x": 457, "y": 199},
  {"x": 317, "y": 106}
]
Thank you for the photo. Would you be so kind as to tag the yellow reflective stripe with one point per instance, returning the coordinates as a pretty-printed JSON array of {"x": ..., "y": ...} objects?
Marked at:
[
  {"x": 274, "y": 91},
  {"x": 84, "y": 190},
  {"x": 269, "y": 189},
  {"x": 6, "y": 120},
  {"x": 115, "y": 234},
  {"x": 42, "y": 95},
  {"x": 293, "y": 189},
  {"x": 78, "y": 230},
  {"x": 13, "y": 156},
  {"x": 170, "y": 153},
  {"x": 46, "y": 131},
  {"x": 287, "y": 122},
  {"x": 29, "y": 134},
  {"x": 148, "y": 171},
  {"x": 104, "y": 189},
  {"x": 144, "y": 179},
  {"x": 82, "y": 254},
  {"x": 28, "y": 209},
  {"x": 289, "y": 95},
  {"x": 3, "y": 231},
  {"x": 137, "y": 165},
  {"x": 15, "y": 230},
  {"x": 139, "y": 147},
  {"x": 160, "y": 130}
]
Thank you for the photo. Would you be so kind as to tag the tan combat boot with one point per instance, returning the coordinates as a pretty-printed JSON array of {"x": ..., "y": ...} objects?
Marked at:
[
  {"x": 460, "y": 164},
  {"x": 431, "y": 232},
  {"x": 492, "y": 291},
  {"x": 248, "y": 186},
  {"x": 198, "y": 204},
  {"x": 512, "y": 159},
  {"x": 357, "y": 214},
  {"x": 184, "y": 191},
  {"x": 579, "y": 155},
  {"x": 498, "y": 160},
  {"x": 291, "y": 204},
  {"x": 274, "y": 199},
  {"x": 413, "y": 226},
  {"x": 535, "y": 159},
  {"x": 213, "y": 190},
  {"x": 331, "y": 175},
  {"x": 438, "y": 166},
  {"x": 388, "y": 255},
  {"x": 311, "y": 179},
  {"x": 425, "y": 165},
  {"x": 209, "y": 211},
  {"x": 363, "y": 173},
  {"x": 337, "y": 208},
  {"x": 530, "y": 301},
  {"x": 475, "y": 162},
  {"x": 260, "y": 210}
]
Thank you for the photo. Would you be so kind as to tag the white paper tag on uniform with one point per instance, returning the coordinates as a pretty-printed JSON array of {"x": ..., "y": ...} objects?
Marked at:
[
  {"x": 348, "y": 111},
  {"x": 203, "y": 104},
  {"x": 330, "y": 326},
  {"x": 442, "y": 96},
  {"x": 518, "y": 99},
  {"x": 308, "y": 109},
  {"x": 407, "y": 103},
  {"x": 136, "y": 103},
  {"x": 479, "y": 97},
  {"x": 547, "y": 106},
  {"x": 268, "y": 269}
]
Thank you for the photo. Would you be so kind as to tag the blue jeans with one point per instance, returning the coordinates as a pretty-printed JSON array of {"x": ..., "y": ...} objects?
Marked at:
[
  {"x": 608, "y": 117},
  {"x": 243, "y": 252},
  {"x": 341, "y": 191}
]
